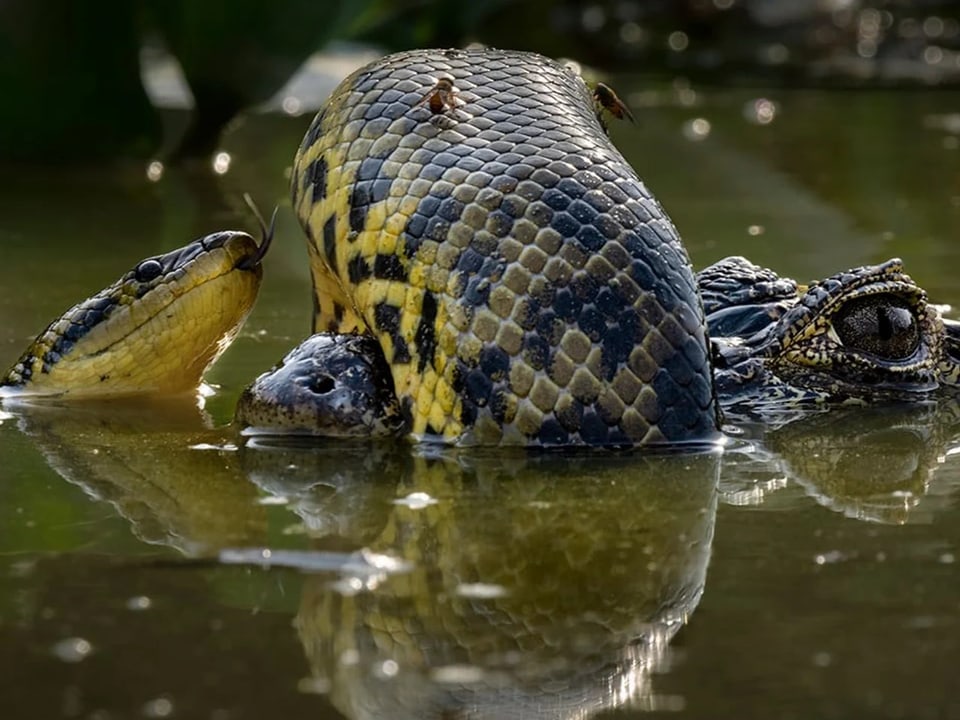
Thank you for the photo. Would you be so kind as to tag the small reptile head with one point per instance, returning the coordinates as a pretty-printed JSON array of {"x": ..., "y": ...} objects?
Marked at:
[
  {"x": 330, "y": 385},
  {"x": 155, "y": 330},
  {"x": 861, "y": 335}
]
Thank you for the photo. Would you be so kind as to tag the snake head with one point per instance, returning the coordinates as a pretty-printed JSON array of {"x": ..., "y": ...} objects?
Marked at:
[{"x": 153, "y": 331}]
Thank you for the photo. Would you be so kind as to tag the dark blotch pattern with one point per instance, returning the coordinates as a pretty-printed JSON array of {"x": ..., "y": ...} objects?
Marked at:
[
  {"x": 358, "y": 269},
  {"x": 330, "y": 242},
  {"x": 387, "y": 319},
  {"x": 316, "y": 176},
  {"x": 389, "y": 267},
  {"x": 426, "y": 336}
]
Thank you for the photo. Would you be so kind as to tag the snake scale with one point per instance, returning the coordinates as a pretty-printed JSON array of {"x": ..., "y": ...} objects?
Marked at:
[{"x": 466, "y": 208}]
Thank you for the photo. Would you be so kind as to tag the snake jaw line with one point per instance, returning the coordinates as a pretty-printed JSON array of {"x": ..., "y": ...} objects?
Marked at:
[{"x": 144, "y": 338}]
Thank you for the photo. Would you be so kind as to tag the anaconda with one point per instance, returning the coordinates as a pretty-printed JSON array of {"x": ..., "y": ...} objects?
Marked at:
[{"x": 508, "y": 279}]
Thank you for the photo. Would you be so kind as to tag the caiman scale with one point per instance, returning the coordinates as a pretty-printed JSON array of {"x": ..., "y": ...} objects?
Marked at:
[{"x": 489, "y": 270}]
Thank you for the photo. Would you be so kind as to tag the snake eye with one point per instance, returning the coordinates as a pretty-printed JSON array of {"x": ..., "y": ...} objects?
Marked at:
[
  {"x": 148, "y": 270},
  {"x": 882, "y": 325}
]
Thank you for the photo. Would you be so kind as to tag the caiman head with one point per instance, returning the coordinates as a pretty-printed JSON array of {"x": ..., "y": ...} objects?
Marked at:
[{"x": 866, "y": 334}]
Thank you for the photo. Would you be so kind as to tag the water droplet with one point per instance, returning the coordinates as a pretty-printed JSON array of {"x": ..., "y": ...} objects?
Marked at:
[
  {"x": 678, "y": 41},
  {"x": 947, "y": 558},
  {"x": 822, "y": 659},
  {"x": 760, "y": 111},
  {"x": 932, "y": 55},
  {"x": 755, "y": 230},
  {"x": 272, "y": 500},
  {"x": 830, "y": 558},
  {"x": 291, "y": 105},
  {"x": 139, "y": 602},
  {"x": 155, "y": 171},
  {"x": 696, "y": 129},
  {"x": 73, "y": 650},
  {"x": 933, "y": 27},
  {"x": 388, "y": 669},
  {"x": 221, "y": 163}
]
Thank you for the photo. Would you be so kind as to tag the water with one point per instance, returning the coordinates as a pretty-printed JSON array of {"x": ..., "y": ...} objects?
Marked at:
[{"x": 152, "y": 565}]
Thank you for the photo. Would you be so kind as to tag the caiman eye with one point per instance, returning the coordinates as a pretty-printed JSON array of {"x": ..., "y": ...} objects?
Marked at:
[
  {"x": 882, "y": 325},
  {"x": 148, "y": 270}
]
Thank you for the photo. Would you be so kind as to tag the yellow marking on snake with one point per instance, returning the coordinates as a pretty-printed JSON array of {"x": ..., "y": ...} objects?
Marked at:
[{"x": 155, "y": 336}]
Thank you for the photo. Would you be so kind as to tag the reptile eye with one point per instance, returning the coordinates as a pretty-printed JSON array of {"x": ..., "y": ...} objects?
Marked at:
[
  {"x": 882, "y": 325},
  {"x": 148, "y": 270}
]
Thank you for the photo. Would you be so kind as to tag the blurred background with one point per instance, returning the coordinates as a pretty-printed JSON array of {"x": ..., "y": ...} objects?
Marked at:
[{"x": 87, "y": 80}]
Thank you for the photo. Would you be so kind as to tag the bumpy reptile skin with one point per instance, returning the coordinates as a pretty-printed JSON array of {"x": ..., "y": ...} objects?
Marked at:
[{"x": 524, "y": 285}]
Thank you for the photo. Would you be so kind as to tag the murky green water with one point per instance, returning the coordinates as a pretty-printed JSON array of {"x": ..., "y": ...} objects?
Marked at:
[{"x": 808, "y": 571}]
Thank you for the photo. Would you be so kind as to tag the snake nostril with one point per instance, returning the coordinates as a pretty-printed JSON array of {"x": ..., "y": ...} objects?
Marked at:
[{"x": 322, "y": 384}]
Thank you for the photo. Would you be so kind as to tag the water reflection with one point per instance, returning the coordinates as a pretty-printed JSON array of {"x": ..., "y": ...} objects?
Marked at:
[
  {"x": 527, "y": 586},
  {"x": 159, "y": 464},
  {"x": 450, "y": 584},
  {"x": 870, "y": 463},
  {"x": 540, "y": 587}
]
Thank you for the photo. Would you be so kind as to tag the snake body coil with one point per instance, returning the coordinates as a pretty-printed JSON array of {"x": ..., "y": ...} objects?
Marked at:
[{"x": 467, "y": 209}]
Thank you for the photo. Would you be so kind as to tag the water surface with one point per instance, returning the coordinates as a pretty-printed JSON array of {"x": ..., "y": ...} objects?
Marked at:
[{"x": 152, "y": 565}]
